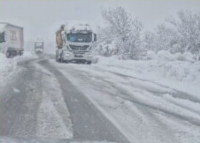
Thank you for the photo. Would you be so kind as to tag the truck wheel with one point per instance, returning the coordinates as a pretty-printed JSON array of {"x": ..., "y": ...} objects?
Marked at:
[
  {"x": 89, "y": 62},
  {"x": 67, "y": 61},
  {"x": 20, "y": 53},
  {"x": 56, "y": 58},
  {"x": 61, "y": 60},
  {"x": 8, "y": 54}
]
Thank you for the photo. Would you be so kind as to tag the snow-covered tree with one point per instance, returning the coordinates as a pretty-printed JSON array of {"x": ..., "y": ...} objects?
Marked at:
[
  {"x": 176, "y": 35},
  {"x": 125, "y": 31},
  {"x": 187, "y": 30},
  {"x": 149, "y": 41}
]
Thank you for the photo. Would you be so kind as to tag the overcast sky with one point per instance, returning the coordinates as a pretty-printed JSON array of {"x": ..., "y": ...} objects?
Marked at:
[{"x": 40, "y": 18}]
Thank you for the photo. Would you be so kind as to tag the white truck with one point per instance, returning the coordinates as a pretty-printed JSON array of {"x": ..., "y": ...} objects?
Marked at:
[
  {"x": 78, "y": 42},
  {"x": 11, "y": 40}
]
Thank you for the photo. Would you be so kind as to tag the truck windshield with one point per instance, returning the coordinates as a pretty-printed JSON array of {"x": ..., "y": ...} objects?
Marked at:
[
  {"x": 79, "y": 37},
  {"x": 38, "y": 44}
]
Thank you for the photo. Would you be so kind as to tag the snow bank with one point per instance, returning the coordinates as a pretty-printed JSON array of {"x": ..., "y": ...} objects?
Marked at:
[
  {"x": 8, "y": 66},
  {"x": 167, "y": 56},
  {"x": 181, "y": 67},
  {"x": 177, "y": 71}
]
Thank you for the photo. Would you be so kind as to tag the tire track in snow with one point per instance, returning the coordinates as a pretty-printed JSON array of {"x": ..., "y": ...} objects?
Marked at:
[
  {"x": 89, "y": 123},
  {"x": 53, "y": 115},
  {"x": 130, "y": 120},
  {"x": 176, "y": 93},
  {"x": 128, "y": 96},
  {"x": 50, "y": 123},
  {"x": 102, "y": 87}
]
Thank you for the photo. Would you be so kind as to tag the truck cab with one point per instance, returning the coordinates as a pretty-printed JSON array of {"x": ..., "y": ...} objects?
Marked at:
[{"x": 78, "y": 42}]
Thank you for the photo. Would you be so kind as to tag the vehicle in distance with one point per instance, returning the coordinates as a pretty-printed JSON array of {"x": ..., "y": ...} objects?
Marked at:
[{"x": 39, "y": 47}]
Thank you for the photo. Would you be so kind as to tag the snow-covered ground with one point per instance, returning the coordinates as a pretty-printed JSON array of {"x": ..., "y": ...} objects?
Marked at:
[
  {"x": 155, "y": 100},
  {"x": 180, "y": 71},
  {"x": 8, "y": 66}
]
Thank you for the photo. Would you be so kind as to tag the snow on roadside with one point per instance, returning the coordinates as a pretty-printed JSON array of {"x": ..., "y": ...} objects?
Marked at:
[
  {"x": 178, "y": 71},
  {"x": 8, "y": 66}
]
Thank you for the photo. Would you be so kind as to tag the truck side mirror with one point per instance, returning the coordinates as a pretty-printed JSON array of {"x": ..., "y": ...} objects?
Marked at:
[
  {"x": 95, "y": 37},
  {"x": 2, "y": 37}
]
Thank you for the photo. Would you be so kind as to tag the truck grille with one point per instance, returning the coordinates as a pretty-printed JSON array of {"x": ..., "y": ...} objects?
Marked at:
[{"x": 82, "y": 48}]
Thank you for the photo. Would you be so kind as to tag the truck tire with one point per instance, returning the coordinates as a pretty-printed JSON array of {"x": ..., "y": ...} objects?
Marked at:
[
  {"x": 21, "y": 53},
  {"x": 67, "y": 61},
  {"x": 89, "y": 62},
  {"x": 61, "y": 57},
  {"x": 56, "y": 58},
  {"x": 61, "y": 60},
  {"x": 8, "y": 54}
]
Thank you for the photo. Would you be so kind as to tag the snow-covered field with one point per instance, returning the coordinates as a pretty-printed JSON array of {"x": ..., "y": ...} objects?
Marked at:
[{"x": 155, "y": 100}]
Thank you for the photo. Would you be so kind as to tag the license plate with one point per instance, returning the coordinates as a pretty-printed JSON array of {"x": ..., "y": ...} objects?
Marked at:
[{"x": 78, "y": 55}]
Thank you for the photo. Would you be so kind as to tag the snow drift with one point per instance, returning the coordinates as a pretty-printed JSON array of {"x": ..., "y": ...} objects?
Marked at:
[
  {"x": 8, "y": 66},
  {"x": 180, "y": 71}
]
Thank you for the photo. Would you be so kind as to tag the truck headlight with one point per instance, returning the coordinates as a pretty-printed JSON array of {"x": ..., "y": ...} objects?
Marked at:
[{"x": 67, "y": 54}]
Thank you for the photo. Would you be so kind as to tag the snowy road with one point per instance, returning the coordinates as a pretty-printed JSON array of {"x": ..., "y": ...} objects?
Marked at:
[
  {"x": 82, "y": 102},
  {"x": 41, "y": 102}
]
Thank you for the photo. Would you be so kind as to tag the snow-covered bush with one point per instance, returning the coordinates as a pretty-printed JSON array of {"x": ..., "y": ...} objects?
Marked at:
[
  {"x": 106, "y": 48},
  {"x": 167, "y": 56}
]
